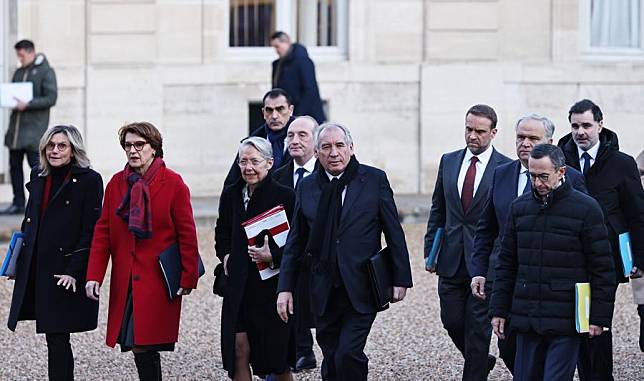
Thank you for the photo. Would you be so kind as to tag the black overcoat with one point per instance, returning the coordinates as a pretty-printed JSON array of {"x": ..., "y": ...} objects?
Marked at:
[
  {"x": 57, "y": 244},
  {"x": 273, "y": 341}
]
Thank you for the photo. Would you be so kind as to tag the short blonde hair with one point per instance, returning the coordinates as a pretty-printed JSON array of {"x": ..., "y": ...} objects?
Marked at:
[{"x": 79, "y": 157}]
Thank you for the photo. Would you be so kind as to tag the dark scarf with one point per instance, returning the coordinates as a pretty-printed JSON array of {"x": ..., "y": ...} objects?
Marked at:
[
  {"x": 277, "y": 142},
  {"x": 323, "y": 233},
  {"x": 135, "y": 209}
]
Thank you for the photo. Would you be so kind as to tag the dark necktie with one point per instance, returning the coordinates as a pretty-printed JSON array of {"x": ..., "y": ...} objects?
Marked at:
[
  {"x": 467, "y": 193},
  {"x": 586, "y": 158},
  {"x": 300, "y": 175},
  {"x": 528, "y": 184}
]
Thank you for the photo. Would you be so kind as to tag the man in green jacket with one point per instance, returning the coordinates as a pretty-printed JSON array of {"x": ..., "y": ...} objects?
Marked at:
[{"x": 29, "y": 119}]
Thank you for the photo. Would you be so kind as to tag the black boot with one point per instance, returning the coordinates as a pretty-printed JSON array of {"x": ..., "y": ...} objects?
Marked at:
[{"x": 148, "y": 364}]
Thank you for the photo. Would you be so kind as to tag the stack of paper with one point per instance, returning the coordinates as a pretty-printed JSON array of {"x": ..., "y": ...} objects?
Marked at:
[
  {"x": 274, "y": 222},
  {"x": 11, "y": 92}
]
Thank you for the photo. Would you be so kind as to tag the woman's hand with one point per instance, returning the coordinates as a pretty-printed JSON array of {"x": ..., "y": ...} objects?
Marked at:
[
  {"x": 184, "y": 291},
  {"x": 66, "y": 281},
  {"x": 261, "y": 254},
  {"x": 92, "y": 289}
]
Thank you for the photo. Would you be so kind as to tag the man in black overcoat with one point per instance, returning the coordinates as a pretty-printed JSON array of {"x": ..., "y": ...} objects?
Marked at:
[
  {"x": 613, "y": 180},
  {"x": 341, "y": 212}
]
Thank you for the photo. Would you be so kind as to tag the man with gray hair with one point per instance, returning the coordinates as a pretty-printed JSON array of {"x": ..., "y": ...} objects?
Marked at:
[
  {"x": 555, "y": 238},
  {"x": 340, "y": 215},
  {"x": 510, "y": 181},
  {"x": 299, "y": 142}
]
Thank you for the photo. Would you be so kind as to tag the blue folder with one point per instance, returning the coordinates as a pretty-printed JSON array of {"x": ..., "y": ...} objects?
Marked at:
[
  {"x": 13, "y": 252},
  {"x": 625, "y": 251},
  {"x": 430, "y": 261},
  {"x": 170, "y": 263}
]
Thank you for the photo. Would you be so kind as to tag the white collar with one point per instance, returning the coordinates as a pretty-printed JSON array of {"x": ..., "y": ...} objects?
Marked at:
[
  {"x": 592, "y": 151},
  {"x": 309, "y": 165},
  {"x": 331, "y": 176},
  {"x": 523, "y": 169},
  {"x": 483, "y": 157}
]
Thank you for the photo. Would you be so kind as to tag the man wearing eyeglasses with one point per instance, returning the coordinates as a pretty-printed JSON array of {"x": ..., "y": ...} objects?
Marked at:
[
  {"x": 613, "y": 180},
  {"x": 555, "y": 238},
  {"x": 278, "y": 115}
]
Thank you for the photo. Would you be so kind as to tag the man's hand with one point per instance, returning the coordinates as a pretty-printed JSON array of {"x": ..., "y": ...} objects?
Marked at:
[
  {"x": 226, "y": 264},
  {"x": 595, "y": 330},
  {"x": 636, "y": 273},
  {"x": 92, "y": 289},
  {"x": 478, "y": 287},
  {"x": 285, "y": 305},
  {"x": 66, "y": 281},
  {"x": 498, "y": 325},
  {"x": 20, "y": 105},
  {"x": 431, "y": 269},
  {"x": 399, "y": 294},
  {"x": 261, "y": 254}
]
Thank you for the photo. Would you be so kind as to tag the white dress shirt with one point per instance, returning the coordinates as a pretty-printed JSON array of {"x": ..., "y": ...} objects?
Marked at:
[
  {"x": 309, "y": 166},
  {"x": 592, "y": 151},
  {"x": 344, "y": 191},
  {"x": 484, "y": 158},
  {"x": 523, "y": 180}
]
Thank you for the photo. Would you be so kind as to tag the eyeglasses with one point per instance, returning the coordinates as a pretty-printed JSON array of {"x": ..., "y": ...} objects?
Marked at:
[
  {"x": 138, "y": 145},
  {"x": 61, "y": 147},
  {"x": 544, "y": 177},
  {"x": 280, "y": 110},
  {"x": 252, "y": 162}
]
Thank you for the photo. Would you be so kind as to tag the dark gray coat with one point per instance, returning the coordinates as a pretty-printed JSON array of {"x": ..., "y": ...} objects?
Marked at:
[
  {"x": 27, "y": 127},
  {"x": 548, "y": 246},
  {"x": 57, "y": 244}
]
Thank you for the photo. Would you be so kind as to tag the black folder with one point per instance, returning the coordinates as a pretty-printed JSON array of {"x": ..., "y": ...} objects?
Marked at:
[
  {"x": 380, "y": 275},
  {"x": 170, "y": 262}
]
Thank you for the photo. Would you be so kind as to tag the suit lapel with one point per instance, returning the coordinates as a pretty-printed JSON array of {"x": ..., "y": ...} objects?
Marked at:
[
  {"x": 354, "y": 188},
  {"x": 36, "y": 188},
  {"x": 486, "y": 180},
  {"x": 452, "y": 171}
]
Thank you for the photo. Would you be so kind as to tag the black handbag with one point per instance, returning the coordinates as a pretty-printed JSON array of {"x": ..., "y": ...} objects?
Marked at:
[{"x": 221, "y": 281}]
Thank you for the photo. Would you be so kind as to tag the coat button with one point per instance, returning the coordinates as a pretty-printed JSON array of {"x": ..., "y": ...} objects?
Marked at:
[
  {"x": 24, "y": 244},
  {"x": 66, "y": 202},
  {"x": 135, "y": 277},
  {"x": 28, "y": 219},
  {"x": 74, "y": 180},
  {"x": 60, "y": 249}
]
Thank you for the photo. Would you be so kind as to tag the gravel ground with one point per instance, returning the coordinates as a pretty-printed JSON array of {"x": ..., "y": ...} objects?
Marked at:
[{"x": 407, "y": 341}]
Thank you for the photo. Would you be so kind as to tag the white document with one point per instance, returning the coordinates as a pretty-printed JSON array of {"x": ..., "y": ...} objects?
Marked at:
[{"x": 9, "y": 92}]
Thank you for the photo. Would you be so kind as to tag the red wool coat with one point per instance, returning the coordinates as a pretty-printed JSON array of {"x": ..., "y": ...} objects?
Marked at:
[{"x": 156, "y": 319}]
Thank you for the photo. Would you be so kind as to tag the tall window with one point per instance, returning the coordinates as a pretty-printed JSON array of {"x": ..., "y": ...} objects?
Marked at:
[
  {"x": 615, "y": 24},
  {"x": 251, "y": 22},
  {"x": 318, "y": 24}
]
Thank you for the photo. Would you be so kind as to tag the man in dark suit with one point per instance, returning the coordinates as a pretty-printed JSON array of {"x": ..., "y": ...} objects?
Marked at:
[
  {"x": 613, "y": 180},
  {"x": 555, "y": 238},
  {"x": 299, "y": 141},
  {"x": 294, "y": 72},
  {"x": 462, "y": 185},
  {"x": 278, "y": 115},
  {"x": 340, "y": 214},
  {"x": 510, "y": 181}
]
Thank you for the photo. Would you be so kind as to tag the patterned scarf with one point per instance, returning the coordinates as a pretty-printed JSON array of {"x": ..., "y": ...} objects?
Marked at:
[{"x": 135, "y": 209}]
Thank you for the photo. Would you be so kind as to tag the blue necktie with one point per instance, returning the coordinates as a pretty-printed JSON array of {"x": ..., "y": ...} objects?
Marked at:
[
  {"x": 586, "y": 158},
  {"x": 528, "y": 184},
  {"x": 300, "y": 175}
]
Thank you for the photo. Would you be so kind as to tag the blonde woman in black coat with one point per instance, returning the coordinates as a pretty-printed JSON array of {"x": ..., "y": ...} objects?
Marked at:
[{"x": 65, "y": 198}]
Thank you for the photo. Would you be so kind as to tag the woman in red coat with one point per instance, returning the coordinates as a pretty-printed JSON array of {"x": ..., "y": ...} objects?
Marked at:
[{"x": 146, "y": 210}]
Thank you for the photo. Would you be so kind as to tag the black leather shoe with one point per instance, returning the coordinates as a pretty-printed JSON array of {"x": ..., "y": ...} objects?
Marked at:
[
  {"x": 491, "y": 362},
  {"x": 13, "y": 209},
  {"x": 305, "y": 362}
]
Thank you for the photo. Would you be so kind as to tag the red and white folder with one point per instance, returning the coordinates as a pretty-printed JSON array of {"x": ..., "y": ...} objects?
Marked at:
[{"x": 274, "y": 220}]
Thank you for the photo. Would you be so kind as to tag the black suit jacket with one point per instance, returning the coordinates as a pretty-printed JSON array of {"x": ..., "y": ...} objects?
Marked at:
[
  {"x": 447, "y": 212},
  {"x": 368, "y": 211},
  {"x": 284, "y": 174}
]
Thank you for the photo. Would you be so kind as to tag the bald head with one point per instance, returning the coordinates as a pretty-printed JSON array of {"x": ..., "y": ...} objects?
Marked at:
[{"x": 300, "y": 139}]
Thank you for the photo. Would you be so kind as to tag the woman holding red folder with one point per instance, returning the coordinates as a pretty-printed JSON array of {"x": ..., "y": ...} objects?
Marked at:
[
  {"x": 252, "y": 334},
  {"x": 64, "y": 203},
  {"x": 146, "y": 210}
]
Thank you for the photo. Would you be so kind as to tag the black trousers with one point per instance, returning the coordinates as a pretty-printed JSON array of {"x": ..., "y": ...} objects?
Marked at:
[
  {"x": 303, "y": 341},
  {"x": 465, "y": 317},
  {"x": 17, "y": 175},
  {"x": 342, "y": 334},
  {"x": 596, "y": 358},
  {"x": 60, "y": 365},
  {"x": 546, "y": 358}
]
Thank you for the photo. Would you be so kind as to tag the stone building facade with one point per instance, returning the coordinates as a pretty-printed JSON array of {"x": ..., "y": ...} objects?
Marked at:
[{"x": 399, "y": 73}]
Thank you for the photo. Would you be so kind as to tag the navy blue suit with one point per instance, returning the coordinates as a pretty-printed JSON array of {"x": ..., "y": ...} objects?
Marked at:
[
  {"x": 491, "y": 226},
  {"x": 344, "y": 314}
]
